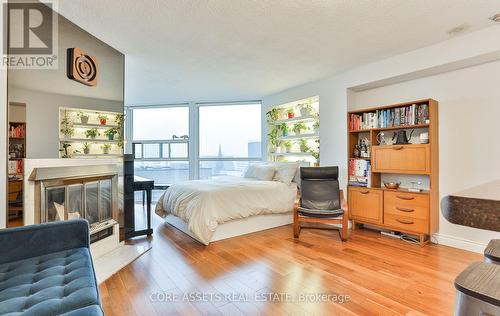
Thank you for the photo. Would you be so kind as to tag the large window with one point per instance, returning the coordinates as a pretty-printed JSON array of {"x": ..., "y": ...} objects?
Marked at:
[
  {"x": 161, "y": 143},
  {"x": 230, "y": 137}
]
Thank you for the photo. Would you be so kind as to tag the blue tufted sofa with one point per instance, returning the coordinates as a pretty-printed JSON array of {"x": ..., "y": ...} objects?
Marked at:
[{"x": 47, "y": 270}]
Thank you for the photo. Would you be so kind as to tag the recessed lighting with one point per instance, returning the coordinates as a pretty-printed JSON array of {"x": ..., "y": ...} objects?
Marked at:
[
  {"x": 458, "y": 29},
  {"x": 495, "y": 18}
]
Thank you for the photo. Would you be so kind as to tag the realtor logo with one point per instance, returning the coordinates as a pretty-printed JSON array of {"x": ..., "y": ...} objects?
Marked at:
[{"x": 30, "y": 34}]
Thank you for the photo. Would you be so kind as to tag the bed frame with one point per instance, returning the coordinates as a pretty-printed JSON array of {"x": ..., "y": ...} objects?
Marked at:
[{"x": 236, "y": 227}]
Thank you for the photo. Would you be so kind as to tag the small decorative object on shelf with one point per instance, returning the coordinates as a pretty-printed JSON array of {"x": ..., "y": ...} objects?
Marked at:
[
  {"x": 84, "y": 117},
  {"x": 288, "y": 146},
  {"x": 381, "y": 139},
  {"x": 305, "y": 109},
  {"x": 392, "y": 185},
  {"x": 110, "y": 133},
  {"x": 401, "y": 138},
  {"x": 86, "y": 148},
  {"x": 105, "y": 148},
  {"x": 284, "y": 129},
  {"x": 290, "y": 113},
  {"x": 356, "y": 153},
  {"x": 92, "y": 133},
  {"x": 102, "y": 119},
  {"x": 424, "y": 138}
]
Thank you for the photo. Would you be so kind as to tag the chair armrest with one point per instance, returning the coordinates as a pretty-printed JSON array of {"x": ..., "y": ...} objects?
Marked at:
[
  {"x": 343, "y": 203},
  {"x": 296, "y": 203},
  {"x": 37, "y": 240}
]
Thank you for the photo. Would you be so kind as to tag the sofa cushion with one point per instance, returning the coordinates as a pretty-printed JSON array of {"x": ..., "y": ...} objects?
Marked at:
[{"x": 52, "y": 284}]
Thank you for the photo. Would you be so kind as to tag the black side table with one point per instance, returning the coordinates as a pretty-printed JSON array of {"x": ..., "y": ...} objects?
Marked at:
[{"x": 144, "y": 185}]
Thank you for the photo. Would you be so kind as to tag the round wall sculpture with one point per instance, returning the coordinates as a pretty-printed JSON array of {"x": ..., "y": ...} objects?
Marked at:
[{"x": 82, "y": 67}]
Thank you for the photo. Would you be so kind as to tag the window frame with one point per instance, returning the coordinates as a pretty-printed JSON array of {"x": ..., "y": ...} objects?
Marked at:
[{"x": 193, "y": 142}]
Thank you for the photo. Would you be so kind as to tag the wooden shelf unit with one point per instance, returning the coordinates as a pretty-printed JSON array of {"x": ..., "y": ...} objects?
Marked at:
[{"x": 415, "y": 213}]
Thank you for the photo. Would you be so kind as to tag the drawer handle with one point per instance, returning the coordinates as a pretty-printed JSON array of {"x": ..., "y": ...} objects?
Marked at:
[
  {"x": 364, "y": 192},
  {"x": 404, "y": 222},
  {"x": 397, "y": 147},
  {"x": 407, "y": 210},
  {"x": 406, "y": 198}
]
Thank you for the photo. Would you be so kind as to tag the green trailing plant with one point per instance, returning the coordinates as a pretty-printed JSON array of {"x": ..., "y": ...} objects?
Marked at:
[
  {"x": 110, "y": 133},
  {"x": 273, "y": 115},
  {"x": 67, "y": 126},
  {"x": 105, "y": 148},
  {"x": 273, "y": 136},
  {"x": 304, "y": 147},
  {"x": 120, "y": 121},
  {"x": 316, "y": 125},
  {"x": 299, "y": 127},
  {"x": 315, "y": 154},
  {"x": 92, "y": 133}
]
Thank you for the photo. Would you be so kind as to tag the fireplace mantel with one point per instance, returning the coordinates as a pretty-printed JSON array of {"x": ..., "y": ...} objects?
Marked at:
[{"x": 48, "y": 173}]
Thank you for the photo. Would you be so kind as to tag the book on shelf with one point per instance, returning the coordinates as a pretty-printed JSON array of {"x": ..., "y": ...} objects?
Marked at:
[
  {"x": 17, "y": 131},
  {"x": 359, "y": 172},
  {"x": 15, "y": 166},
  {"x": 415, "y": 114}
]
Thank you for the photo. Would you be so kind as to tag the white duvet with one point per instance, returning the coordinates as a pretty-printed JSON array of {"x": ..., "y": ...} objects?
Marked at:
[{"x": 205, "y": 204}]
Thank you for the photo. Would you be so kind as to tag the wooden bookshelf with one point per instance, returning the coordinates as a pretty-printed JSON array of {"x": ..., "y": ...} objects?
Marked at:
[
  {"x": 413, "y": 213},
  {"x": 17, "y": 153}
]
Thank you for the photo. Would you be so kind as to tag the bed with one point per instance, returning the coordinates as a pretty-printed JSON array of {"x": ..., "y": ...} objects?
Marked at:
[{"x": 228, "y": 206}]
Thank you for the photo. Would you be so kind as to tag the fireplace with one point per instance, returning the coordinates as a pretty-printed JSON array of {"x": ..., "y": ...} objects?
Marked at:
[{"x": 90, "y": 192}]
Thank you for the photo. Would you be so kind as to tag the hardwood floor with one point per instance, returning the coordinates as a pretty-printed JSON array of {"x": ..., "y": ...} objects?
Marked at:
[{"x": 380, "y": 276}]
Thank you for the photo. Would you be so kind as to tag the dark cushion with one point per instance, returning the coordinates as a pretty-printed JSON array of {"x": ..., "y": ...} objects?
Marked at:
[
  {"x": 52, "y": 284},
  {"x": 320, "y": 213},
  {"x": 320, "y": 188}
]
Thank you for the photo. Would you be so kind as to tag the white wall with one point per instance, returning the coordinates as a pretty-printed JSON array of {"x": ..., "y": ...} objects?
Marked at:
[
  {"x": 469, "y": 116},
  {"x": 343, "y": 91}
]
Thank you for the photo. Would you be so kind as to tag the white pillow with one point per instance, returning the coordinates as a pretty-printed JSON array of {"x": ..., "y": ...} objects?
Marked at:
[
  {"x": 260, "y": 171},
  {"x": 285, "y": 171}
]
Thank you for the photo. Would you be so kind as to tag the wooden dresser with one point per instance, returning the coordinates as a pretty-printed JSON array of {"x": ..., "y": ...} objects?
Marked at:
[{"x": 413, "y": 213}]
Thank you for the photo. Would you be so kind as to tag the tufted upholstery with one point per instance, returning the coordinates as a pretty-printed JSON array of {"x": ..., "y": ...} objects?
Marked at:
[{"x": 56, "y": 283}]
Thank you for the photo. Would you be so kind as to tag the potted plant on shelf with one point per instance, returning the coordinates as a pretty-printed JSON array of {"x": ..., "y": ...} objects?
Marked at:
[
  {"x": 105, "y": 148},
  {"x": 92, "y": 133},
  {"x": 110, "y": 133},
  {"x": 284, "y": 129},
  {"x": 273, "y": 115},
  {"x": 303, "y": 145},
  {"x": 84, "y": 117},
  {"x": 290, "y": 113},
  {"x": 67, "y": 127},
  {"x": 102, "y": 119},
  {"x": 86, "y": 148},
  {"x": 64, "y": 150},
  {"x": 299, "y": 127},
  {"x": 305, "y": 109},
  {"x": 273, "y": 137},
  {"x": 288, "y": 146}
]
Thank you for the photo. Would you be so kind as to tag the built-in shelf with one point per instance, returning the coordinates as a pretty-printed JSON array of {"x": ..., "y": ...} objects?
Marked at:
[
  {"x": 96, "y": 155},
  {"x": 361, "y": 158},
  {"x": 299, "y": 136},
  {"x": 87, "y": 140},
  {"x": 292, "y": 154},
  {"x": 307, "y": 118},
  {"x": 389, "y": 128},
  {"x": 106, "y": 126}
]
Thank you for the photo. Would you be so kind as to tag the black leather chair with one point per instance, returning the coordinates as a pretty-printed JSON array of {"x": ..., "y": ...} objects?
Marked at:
[{"x": 320, "y": 199}]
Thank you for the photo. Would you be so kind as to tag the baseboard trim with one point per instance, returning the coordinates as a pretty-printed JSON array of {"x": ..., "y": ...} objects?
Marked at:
[{"x": 458, "y": 242}]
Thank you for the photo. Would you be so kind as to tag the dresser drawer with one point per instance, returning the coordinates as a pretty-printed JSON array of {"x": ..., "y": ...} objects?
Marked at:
[
  {"x": 409, "y": 224},
  {"x": 414, "y": 159},
  {"x": 366, "y": 204},
  {"x": 406, "y": 204}
]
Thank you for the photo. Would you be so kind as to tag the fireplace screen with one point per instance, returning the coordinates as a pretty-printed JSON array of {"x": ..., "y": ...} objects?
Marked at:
[{"x": 92, "y": 200}]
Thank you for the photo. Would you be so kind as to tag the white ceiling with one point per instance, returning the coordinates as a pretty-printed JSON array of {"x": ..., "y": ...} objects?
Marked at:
[{"x": 202, "y": 50}]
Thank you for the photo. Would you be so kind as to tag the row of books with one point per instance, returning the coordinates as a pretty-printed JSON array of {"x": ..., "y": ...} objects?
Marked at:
[
  {"x": 17, "y": 131},
  {"x": 415, "y": 114},
  {"x": 359, "y": 172}
]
